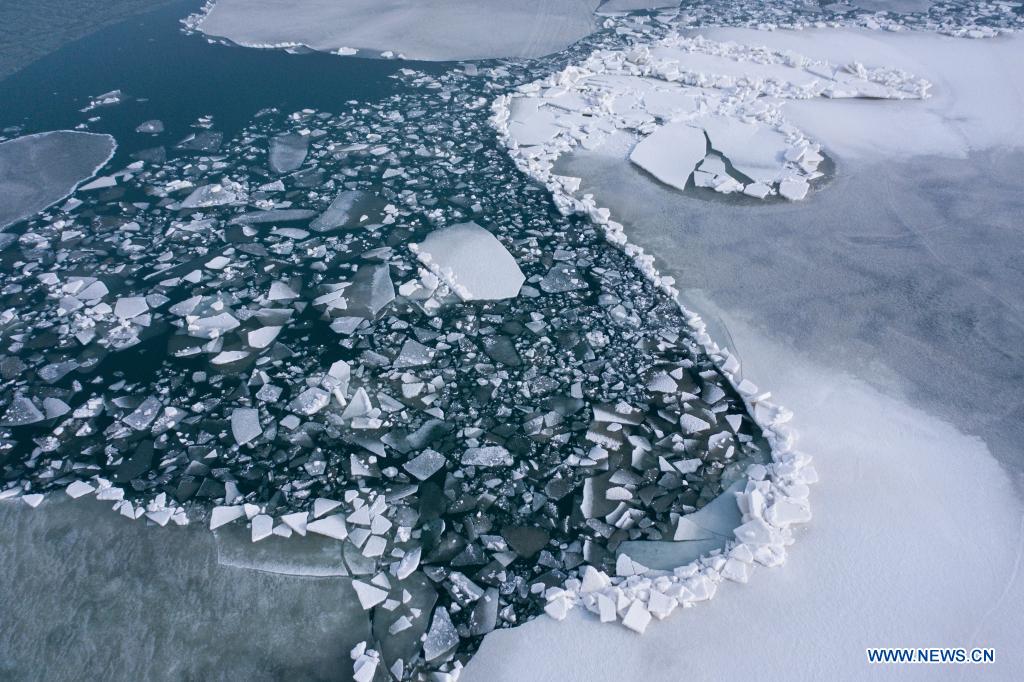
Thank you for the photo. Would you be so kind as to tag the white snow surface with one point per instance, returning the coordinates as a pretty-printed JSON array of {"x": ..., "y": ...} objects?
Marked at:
[
  {"x": 431, "y": 30},
  {"x": 976, "y": 97}
]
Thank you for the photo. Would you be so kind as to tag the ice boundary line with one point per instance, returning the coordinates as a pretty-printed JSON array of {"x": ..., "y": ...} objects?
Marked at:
[{"x": 775, "y": 497}]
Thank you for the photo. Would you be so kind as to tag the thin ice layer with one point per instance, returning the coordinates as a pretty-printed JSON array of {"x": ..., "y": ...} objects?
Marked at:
[{"x": 37, "y": 171}]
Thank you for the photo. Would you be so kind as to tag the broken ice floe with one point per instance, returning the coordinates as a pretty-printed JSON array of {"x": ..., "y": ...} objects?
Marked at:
[
  {"x": 706, "y": 112},
  {"x": 437, "y": 31}
]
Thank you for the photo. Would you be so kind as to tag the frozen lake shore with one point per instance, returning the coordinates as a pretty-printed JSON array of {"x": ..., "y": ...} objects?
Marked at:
[
  {"x": 122, "y": 601},
  {"x": 885, "y": 311}
]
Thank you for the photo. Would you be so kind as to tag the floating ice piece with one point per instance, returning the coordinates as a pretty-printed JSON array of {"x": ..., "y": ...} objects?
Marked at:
[
  {"x": 152, "y": 127},
  {"x": 214, "y": 195},
  {"x": 224, "y": 515},
  {"x": 489, "y": 456},
  {"x": 372, "y": 290},
  {"x": 287, "y": 152},
  {"x": 345, "y": 210},
  {"x": 21, "y": 411},
  {"x": 637, "y": 617},
  {"x": 262, "y": 527},
  {"x": 37, "y": 171},
  {"x": 425, "y": 464},
  {"x": 441, "y": 637},
  {"x": 297, "y": 521},
  {"x": 671, "y": 153},
  {"x": 322, "y": 505},
  {"x": 755, "y": 150},
  {"x": 127, "y": 308},
  {"x": 33, "y": 500},
  {"x": 794, "y": 189},
  {"x": 245, "y": 424},
  {"x": 78, "y": 489},
  {"x": 310, "y": 401},
  {"x": 472, "y": 262},
  {"x": 369, "y": 595},
  {"x": 263, "y": 337},
  {"x": 436, "y": 31},
  {"x": 331, "y": 526}
]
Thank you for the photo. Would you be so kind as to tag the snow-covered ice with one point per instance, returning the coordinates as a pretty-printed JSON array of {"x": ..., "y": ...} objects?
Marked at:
[{"x": 472, "y": 262}]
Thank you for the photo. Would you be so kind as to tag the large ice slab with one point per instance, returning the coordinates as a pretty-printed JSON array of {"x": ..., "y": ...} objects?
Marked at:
[
  {"x": 432, "y": 30},
  {"x": 671, "y": 153},
  {"x": 37, "y": 171},
  {"x": 473, "y": 262}
]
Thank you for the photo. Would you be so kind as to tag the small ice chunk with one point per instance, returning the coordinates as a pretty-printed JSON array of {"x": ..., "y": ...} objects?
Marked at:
[
  {"x": 310, "y": 401},
  {"x": 151, "y": 127},
  {"x": 637, "y": 617},
  {"x": 78, "y": 489},
  {"x": 262, "y": 527},
  {"x": 331, "y": 526},
  {"x": 441, "y": 637},
  {"x": 323, "y": 505},
  {"x": 671, "y": 153},
  {"x": 263, "y": 337},
  {"x": 794, "y": 189},
  {"x": 245, "y": 424},
  {"x": 127, "y": 308},
  {"x": 296, "y": 521},
  {"x": 20, "y": 412},
  {"x": 425, "y": 464},
  {"x": 287, "y": 152},
  {"x": 33, "y": 500}
]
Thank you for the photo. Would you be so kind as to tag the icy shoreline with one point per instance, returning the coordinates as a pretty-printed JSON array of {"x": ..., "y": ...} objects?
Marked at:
[{"x": 774, "y": 499}]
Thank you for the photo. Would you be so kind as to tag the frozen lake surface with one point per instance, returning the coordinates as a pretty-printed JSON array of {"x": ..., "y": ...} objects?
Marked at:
[
  {"x": 376, "y": 369},
  {"x": 431, "y": 30}
]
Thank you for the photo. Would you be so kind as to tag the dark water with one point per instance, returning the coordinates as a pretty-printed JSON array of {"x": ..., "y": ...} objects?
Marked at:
[{"x": 181, "y": 77}]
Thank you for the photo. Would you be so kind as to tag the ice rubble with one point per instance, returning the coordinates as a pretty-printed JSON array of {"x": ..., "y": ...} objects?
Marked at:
[
  {"x": 707, "y": 112},
  {"x": 37, "y": 171},
  {"x": 432, "y": 30}
]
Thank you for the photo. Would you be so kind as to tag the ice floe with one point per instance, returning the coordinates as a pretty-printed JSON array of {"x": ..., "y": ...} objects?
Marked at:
[
  {"x": 37, "y": 171},
  {"x": 707, "y": 112}
]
